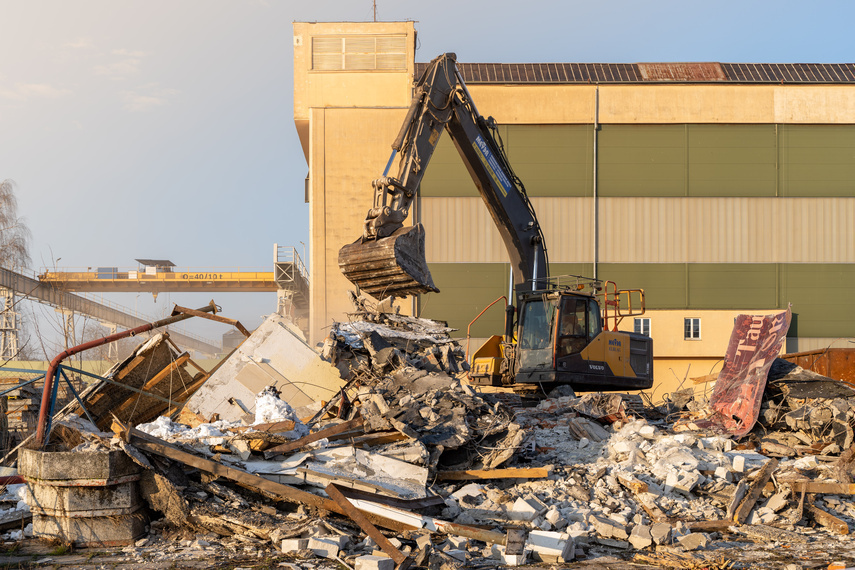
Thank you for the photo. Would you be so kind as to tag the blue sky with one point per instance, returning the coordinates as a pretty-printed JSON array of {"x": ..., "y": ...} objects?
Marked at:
[{"x": 156, "y": 129}]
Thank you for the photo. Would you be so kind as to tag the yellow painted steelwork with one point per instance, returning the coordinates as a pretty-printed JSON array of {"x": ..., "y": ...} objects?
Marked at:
[{"x": 191, "y": 280}]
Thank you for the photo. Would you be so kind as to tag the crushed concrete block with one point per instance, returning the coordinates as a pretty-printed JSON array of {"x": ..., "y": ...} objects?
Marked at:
[
  {"x": 498, "y": 553},
  {"x": 326, "y": 547},
  {"x": 374, "y": 563},
  {"x": 694, "y": 541},
  {"x": 294, "y": 544},
  {"x": 647, "y": 432},
  {"x": 551, "y": 546},
  {"x": 777, "y": 502},
  {"x": 641, "y": 537},
  {"x": 661, "y": 533},
  {"x": 470, "y": 490},
  {"x": 608, "y": 528},
  {"x": 724, "y": 473},
  {"x": 552, "y": 516},
  {"x": 620, "y": 544},
  {"x": 526, "y": 509},
  {"x": 458, "y": 542},
  {"x": 739, "y": 463}
]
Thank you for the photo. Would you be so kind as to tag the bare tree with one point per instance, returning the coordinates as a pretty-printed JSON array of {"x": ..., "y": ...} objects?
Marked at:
[{"x": 14, "y": 233}]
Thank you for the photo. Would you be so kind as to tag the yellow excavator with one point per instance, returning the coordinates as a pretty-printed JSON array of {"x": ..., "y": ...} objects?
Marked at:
[{"x": 562, "y": 330}]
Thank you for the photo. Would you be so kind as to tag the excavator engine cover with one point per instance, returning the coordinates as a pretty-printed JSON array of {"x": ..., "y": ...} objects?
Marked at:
[{"x": 390, "y": 266}]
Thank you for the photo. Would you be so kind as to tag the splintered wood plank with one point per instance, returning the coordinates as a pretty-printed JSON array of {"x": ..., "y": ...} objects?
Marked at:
[
  {"x": 152, "y": 383},
  {"x": 478, "y": 474},
  {"x": 754, "y": 491},
  {"x": 312, "y": 437},
  {"x": 139, "y": 359},
  {"x": 826, "y": 519},
  {"x": 401, "y": 559},
  {"x": 632, "y": 483},
  {"x": 816, "y": 487},
  {"x": 150, "y": 444}
]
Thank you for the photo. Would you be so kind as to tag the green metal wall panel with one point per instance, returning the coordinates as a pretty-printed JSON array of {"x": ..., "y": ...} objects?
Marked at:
[
  {"x": 732, "y": 285},
  {"x": 817, "y": 160},
  {"x": 664, "y": 284},
  {"x": 821, "y": 295},
  {"x": 552, "y": 160},
  {"x": 446, "y": 174},
  {"x": 465, "y": 290},
  {"x": 732, "y": 160},
  {"x": 666, "y": 160},
  {"x": 642, "y": 160}
]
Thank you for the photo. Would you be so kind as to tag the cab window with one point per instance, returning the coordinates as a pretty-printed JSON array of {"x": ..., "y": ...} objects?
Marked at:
[
  {"x": 573, "y": 327},
  {"x": 537, "y": 325}
]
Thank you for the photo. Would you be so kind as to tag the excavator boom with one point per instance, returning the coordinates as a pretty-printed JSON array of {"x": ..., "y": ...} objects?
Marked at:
[{"x": 389, "y": 259}]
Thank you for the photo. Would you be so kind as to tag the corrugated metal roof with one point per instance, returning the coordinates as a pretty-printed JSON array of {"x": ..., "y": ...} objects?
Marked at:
[
  {"x": 523, "y": 73},
  {"x": 682, "y": 72}
]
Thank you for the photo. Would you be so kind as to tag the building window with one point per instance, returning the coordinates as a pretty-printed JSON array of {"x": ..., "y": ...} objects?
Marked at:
[
  {"x": 692, "y": 329},
  {"x": 359, "y": 53},
  {"x": 642, "y": 326}
]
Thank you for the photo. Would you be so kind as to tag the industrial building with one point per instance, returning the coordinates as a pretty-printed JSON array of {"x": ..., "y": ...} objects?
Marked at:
[{"x": 718, "y": 188}]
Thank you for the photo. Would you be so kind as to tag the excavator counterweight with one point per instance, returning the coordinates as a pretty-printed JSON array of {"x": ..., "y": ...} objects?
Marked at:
[{"x": 389, "y": 266}]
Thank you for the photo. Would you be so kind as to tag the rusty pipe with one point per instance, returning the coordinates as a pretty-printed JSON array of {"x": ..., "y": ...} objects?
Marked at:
[
  {"x": 44, "y": 410},
  {"x": 12, "y": 480}
]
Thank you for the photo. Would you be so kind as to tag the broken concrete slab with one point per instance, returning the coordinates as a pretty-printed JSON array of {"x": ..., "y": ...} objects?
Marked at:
[{"x": 275, "y": 354}]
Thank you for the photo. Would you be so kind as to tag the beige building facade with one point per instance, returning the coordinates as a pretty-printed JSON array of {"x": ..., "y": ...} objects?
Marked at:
[{"x": 718, "y": 188}]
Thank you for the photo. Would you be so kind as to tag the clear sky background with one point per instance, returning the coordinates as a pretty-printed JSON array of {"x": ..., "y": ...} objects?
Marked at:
[{"x": 155, "y": 129}]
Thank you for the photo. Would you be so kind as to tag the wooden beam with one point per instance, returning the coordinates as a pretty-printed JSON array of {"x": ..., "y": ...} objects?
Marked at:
[
  {"x": 754, "y": 491},
  {"x": 401, "y": 560},
  {"x": 153, "y": 382},
  {"x": 129, "y": 367},
  {"x": 479, "y": 474},
  {"x": 151, "y": 444},
  {"x": 632, "y": 483},
  {"x": 815, "y": 487},
  {"x": 313, "y": 437},
  {"x": 826, "y": 519}
]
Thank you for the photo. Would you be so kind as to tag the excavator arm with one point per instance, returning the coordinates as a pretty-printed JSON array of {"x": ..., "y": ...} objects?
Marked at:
[{"x": 389, "y": 259}]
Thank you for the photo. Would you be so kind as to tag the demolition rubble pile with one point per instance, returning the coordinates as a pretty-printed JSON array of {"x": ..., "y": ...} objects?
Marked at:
[{"x": 457, "y": 477}]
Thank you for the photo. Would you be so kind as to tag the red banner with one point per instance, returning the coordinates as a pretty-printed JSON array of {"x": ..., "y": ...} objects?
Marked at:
[{"x": 754, "y": 344}]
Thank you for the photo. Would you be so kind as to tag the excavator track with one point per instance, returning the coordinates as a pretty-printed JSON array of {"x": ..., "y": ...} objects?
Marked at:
[{"x": 390, "y": 266}]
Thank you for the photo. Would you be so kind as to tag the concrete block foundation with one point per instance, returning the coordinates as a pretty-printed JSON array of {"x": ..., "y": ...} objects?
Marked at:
[{"x": 88, "y": 498}]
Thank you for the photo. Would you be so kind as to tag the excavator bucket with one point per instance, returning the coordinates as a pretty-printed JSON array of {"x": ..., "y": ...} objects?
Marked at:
[{"x": 390, "y": 266}]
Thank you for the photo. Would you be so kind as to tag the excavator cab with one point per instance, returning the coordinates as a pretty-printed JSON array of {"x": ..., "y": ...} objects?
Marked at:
[{"x": 563, "y": 340}]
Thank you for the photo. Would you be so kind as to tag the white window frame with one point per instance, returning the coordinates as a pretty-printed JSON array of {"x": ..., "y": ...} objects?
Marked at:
[
  {"x": 641, "y": 323},
  {"x": 692, "y": 333}
]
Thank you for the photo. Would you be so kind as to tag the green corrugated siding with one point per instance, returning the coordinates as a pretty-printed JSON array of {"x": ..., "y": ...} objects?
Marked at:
[
  {"x": 732, "y": 285},
  {"x": 666, "y": 160},
  {"x": 465, "y": 290},
  {"x": 446, "y": 174},
  {"x": 820, "y": 293},
  {"x": 552, "y": 160},
  {"x": 732, "y": 160},
  {"x": 817, "y": 160},
  {"x": 664, "y": 284},
  {"x": 642, "y": 160}
]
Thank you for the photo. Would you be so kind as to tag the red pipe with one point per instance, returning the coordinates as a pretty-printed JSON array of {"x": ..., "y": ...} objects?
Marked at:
[
  {"x": 12, "y": 480},
  {"x": 54, "y": 364}
]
